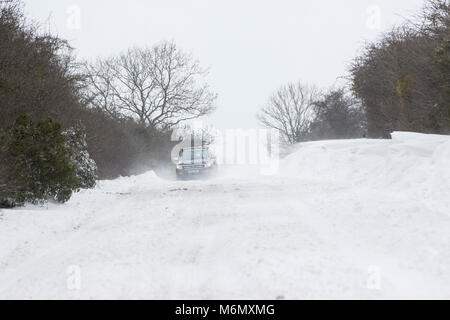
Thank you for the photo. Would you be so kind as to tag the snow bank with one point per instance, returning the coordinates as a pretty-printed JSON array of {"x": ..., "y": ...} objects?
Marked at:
[
  {"x": 412, "y": 163},
  {"x": 130, "y": 184}
]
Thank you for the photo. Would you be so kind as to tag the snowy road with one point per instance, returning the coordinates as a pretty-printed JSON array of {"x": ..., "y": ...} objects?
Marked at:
[{"x": 343, "y": 219}]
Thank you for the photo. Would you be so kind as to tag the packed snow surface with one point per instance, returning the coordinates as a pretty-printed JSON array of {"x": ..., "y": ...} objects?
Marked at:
[{"x": 351, "y": 219}]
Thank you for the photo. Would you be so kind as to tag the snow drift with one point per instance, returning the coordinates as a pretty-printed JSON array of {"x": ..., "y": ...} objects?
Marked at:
[{"x": 411, "y": 163}]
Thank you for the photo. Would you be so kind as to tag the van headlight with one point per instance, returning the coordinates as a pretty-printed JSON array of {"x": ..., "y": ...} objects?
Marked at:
[
  {"x": 208, "y": 165},
  {"x": 179, "y": 167}
]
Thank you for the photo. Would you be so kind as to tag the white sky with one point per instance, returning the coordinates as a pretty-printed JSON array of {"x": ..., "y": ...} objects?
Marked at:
[{"x": 251, "y": 46}]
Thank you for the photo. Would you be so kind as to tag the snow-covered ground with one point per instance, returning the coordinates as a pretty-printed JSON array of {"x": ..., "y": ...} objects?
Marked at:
[{"x": 342, "y": 219}]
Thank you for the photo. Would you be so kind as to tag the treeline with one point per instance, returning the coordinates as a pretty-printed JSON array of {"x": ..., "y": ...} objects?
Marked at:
[
  {"x": 64, "y": 123},
  {"x": 404, "y": 78},
  {"x": 303, "y": 113},
  {"x": 399, "y": 83}
]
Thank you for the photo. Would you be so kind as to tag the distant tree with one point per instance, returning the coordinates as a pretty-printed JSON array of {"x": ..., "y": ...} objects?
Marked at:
[
  {"x": 290, "y": 111},
  {"x": 159, "y": 86},
  {"x": 339, "y": 115}
]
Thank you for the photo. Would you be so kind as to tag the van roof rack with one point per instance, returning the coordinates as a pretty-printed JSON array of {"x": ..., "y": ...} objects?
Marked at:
[{"x": 190, "y": 148}]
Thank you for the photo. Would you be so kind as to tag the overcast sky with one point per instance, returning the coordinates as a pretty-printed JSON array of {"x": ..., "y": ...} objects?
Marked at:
[{"x": 251, "y": 46}]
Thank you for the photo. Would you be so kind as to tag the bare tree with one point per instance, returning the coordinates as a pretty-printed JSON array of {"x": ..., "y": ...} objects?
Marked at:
[
  {"x": 291, "y": 111},
  {"x": 158, "y": 86}
]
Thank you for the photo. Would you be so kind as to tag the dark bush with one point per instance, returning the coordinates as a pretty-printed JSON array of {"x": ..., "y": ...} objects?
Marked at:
[{"x": 38, "y": 163}]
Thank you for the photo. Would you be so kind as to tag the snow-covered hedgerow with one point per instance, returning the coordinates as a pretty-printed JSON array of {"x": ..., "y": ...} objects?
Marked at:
[{"x": 86, "y": 167}]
